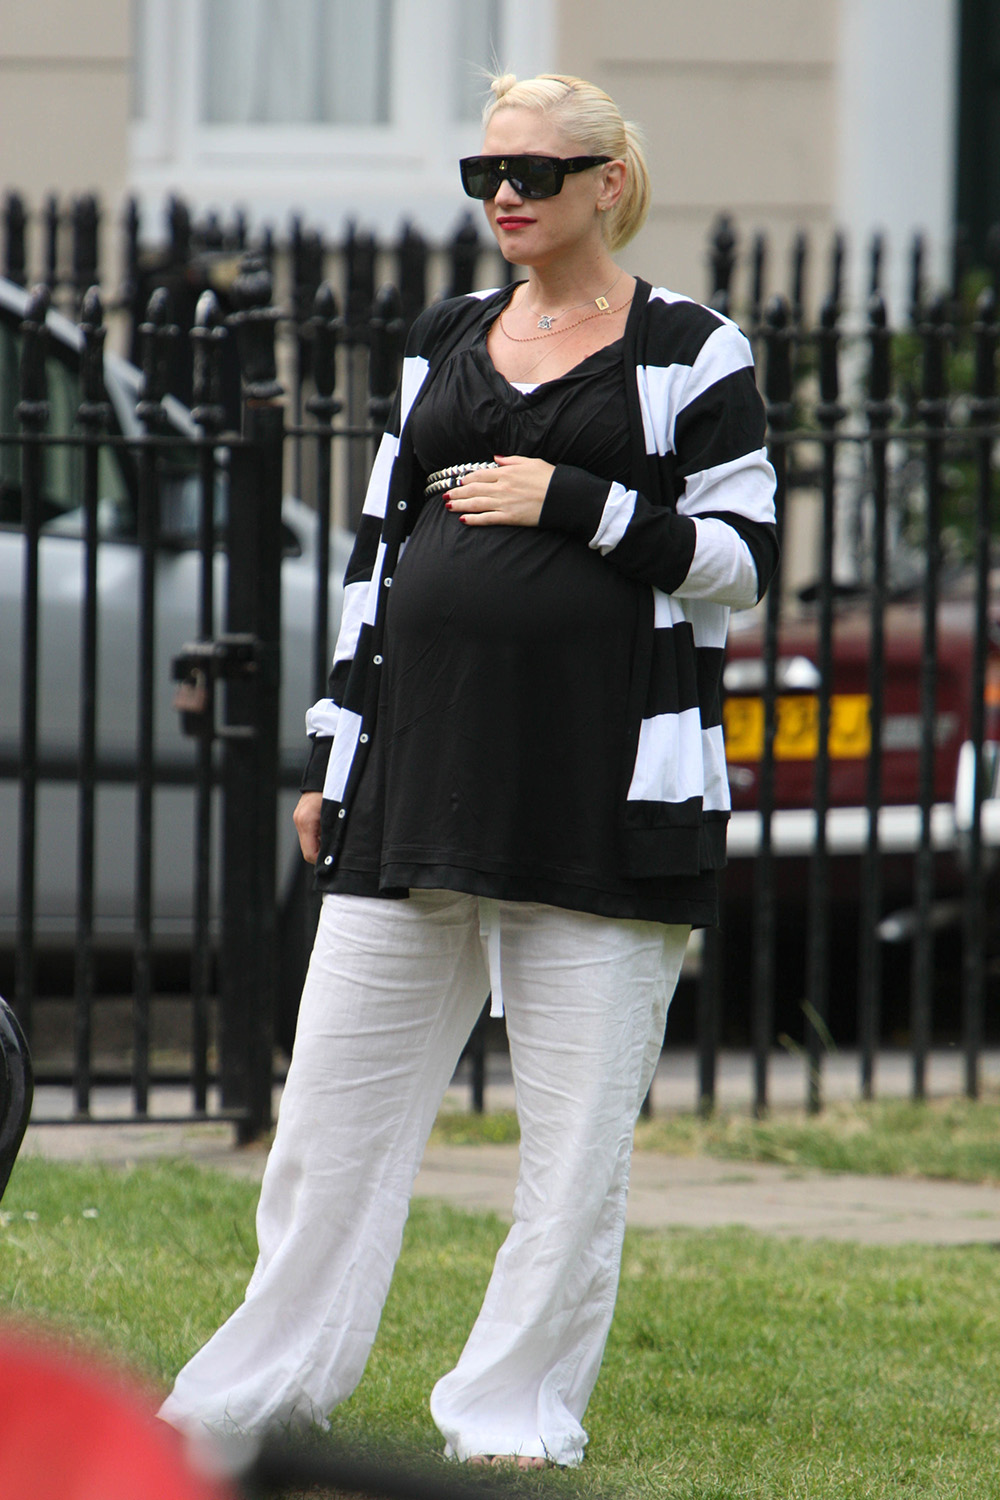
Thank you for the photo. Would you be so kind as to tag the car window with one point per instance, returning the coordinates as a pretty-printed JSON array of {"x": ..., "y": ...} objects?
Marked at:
[{"x": 62, "y": 466}]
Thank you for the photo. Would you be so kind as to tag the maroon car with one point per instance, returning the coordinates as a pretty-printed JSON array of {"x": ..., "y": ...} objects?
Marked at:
[{"x": 797, "y": 740}]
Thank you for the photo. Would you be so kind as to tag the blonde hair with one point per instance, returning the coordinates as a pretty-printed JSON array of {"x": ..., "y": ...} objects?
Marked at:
[{"x": 586, "y": 114}]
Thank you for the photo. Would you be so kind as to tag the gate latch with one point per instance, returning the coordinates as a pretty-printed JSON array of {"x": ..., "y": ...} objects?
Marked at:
[{"x": 197, "y": 667}]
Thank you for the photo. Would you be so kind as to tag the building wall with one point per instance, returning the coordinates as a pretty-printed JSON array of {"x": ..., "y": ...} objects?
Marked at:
[
  {"x": 737, "y": 100},
  {"x": 64, "y": 97},
  {"x": 789, "y": 114}
]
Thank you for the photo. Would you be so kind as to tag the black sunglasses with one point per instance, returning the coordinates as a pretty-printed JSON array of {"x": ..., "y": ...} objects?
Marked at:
[{"x": 529, "y": 176}]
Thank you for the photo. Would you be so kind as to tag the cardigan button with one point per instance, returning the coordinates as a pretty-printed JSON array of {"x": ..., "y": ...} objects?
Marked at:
[
  {"x": 328, "y": 860},
  {"x": 400, "y": 504},
  {"x": 363, "y": 738},
  {"x": 342, "y": 813},
  {"x": 387, "y": 582},
  {"x": 377, "y": 660}
]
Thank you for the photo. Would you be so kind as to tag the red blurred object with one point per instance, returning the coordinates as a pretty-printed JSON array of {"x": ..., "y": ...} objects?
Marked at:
[{"x": 75, "y": 1430}]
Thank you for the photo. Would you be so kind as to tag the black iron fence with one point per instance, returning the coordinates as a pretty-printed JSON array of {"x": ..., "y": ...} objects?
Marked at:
[
  {"x": 864, "y": 737},
  {"x": 118, "y": 498},
  {"x": 862, "y": 699}
]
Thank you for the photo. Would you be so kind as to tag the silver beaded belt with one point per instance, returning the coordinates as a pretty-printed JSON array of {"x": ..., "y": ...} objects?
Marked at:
[{"x": 443, "y": 479}]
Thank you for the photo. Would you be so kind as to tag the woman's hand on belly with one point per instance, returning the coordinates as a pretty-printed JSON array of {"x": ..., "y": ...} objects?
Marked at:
[{"x": 512, "y": 495}]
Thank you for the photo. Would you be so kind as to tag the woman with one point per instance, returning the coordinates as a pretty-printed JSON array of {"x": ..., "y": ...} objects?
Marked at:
[{"x": 517, "y": 783}]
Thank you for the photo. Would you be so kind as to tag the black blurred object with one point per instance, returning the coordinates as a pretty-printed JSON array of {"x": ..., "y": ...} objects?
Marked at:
[
  {"x": 282, "y": 1467},
  {"x": 16, "y": 1090}
]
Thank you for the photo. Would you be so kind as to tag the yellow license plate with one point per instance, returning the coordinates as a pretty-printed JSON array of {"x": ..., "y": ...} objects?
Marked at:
[{"x": 796, "y": 734}]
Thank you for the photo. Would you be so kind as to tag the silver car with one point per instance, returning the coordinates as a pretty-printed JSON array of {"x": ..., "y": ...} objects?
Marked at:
[{"x": 178, "y": 565}]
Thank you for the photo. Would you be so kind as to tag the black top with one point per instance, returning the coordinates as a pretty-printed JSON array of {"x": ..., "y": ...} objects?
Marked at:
[{"x": 500, "y": 756}]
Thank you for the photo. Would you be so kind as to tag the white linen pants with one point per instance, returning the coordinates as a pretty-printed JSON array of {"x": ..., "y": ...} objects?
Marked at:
[{"x": 392, "y": 993}]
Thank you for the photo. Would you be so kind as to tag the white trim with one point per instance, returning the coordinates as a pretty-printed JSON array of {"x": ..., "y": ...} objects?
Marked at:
[
  {"x": 793, "y": 830},
  {"x": 897, "y": 82}
]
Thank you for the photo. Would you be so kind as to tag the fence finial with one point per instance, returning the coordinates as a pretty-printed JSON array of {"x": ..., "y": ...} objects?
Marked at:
[
  {"x": 722, "y": 260},
  {"x": 463, "y": 252},
  {"x": 411, "y": 272},
  {"x": 33, "y": 407},
  {"x": 158, "y": 342},
  {"x": 985, "y": 333},
  {"x": 327, "y": 327},
  {"x": 387, "y": 332},
  {"x": 878, "y": 406},
  {"x": 778, "y": 362},
  {"x": 208, "y": 338},
  {"x": 86, "y": 223},
  {"x": 917, "y": 252},
  {"x": 255, "y": 321},
  {"x": 15, "y": 218},
  {"x": 94, "y": 408},
  {"x": 50, "y": 230}
]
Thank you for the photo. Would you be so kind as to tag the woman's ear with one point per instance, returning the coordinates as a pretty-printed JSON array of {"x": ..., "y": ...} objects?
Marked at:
[{"x": 612, "y": 185}]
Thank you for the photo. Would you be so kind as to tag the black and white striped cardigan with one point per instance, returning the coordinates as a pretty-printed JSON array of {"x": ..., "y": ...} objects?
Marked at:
[{"x": 696, "y": 524}]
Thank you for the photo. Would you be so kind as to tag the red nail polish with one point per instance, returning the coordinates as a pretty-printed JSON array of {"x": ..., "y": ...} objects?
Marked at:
[{"x": 448, "y": 505}]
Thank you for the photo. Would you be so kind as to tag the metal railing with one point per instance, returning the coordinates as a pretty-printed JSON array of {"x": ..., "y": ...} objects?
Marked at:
[{"x": 883, "y": 439}]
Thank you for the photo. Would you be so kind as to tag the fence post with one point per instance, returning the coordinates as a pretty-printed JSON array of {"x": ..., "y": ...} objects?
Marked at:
[
  {"x": 158, "y": 339},
  {"x": 33, "y": 414},
  {"x": 386, "y": 331},
  {"x": 878, "y": 411},
  {"x": 15, "y": 217},
  {"x": 93, "y": 415},
  {"x": 250, "y": 733},
  {"x": 758, "y": 273},
  {"x": 985, "y": 408},
  {"x": 50, "y": 227},
  {"x": 463, "y": 252},
  {"x": 800, "y": 256},
  {"x": 722, "y": 261},
  {"x": 828, "y": 413},
  {"x": 917, "y": 254},
  {"x": 933, "y": 410},
  {"x": 86, "y": 221},
  {"x": 876, "y": 258},
  {"x": 130, "y": 288},
  {"x": 778, "y": 395},
  {"x": 838, "y": 258},
  {"x": 307, "y": 255},
  {"x": 209, "y": 338},
  {"x": 411, "y": 273},
  {"x": 327, "y": 328},
  {"x": 359, "y": 251}
]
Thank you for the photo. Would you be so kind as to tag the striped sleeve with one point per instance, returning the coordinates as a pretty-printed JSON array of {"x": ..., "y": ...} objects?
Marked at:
[
  {"x": 361, "y": 577},
  {"x": 703, "y": 422}
]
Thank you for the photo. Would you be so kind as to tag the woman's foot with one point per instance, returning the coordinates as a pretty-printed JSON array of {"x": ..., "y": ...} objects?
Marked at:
[{"x": 501, "y": 1460}]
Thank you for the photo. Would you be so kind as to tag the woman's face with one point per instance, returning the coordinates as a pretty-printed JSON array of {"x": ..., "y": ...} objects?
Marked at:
[{"x": 536, "y": 231}]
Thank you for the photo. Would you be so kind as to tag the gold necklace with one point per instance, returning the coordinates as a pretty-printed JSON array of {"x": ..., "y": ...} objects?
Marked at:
[
  {"x": 547, "y": 319},
  {"x": 601, "y": 303},
  {"x": 533, "y": 338}
]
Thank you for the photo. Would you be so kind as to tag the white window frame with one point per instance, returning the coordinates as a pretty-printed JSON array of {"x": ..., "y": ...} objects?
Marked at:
[{"x": 378, "y": 174}]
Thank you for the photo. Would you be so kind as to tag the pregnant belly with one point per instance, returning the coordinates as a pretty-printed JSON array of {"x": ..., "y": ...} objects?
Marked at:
[{"x": 504, "y": 583}]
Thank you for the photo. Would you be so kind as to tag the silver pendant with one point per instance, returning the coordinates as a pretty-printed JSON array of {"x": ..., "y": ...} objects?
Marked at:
[{"x": 545, "y": 322}]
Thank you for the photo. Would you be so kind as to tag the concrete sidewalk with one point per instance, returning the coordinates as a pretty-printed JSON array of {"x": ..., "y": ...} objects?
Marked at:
[{"x": 667, "y": 1192}]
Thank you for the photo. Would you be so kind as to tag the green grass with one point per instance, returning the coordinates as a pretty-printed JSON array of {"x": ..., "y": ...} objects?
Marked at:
[
  {"x": 738, "y": 1366},
  {"x": 957, "y": 1138}
]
